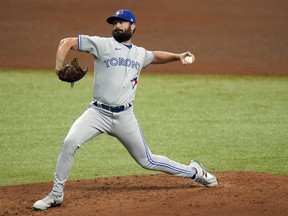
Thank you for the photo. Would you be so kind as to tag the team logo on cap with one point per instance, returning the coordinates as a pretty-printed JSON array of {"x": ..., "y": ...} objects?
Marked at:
[{"x": 119, "y": 12}]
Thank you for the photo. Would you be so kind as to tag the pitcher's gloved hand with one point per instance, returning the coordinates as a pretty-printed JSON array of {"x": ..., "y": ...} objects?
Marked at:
[{"x": 72, "y": 72}]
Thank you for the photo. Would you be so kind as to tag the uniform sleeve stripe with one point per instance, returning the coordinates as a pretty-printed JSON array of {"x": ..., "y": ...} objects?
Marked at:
[{"x": 79, "y": 43}]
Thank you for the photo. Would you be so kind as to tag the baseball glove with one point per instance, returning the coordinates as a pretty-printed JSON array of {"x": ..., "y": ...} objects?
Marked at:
[{"x": 72, "y": 72}]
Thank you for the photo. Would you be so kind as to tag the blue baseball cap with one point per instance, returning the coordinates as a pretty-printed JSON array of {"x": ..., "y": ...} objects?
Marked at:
[{"x": 122, "y": 14}]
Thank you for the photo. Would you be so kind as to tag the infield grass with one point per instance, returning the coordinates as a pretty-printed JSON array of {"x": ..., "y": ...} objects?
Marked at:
[{"x": 226, "y": 122}]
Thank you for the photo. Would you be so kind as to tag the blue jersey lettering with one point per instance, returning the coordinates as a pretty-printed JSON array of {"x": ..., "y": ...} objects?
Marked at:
[{"x": 121, "y": 62}]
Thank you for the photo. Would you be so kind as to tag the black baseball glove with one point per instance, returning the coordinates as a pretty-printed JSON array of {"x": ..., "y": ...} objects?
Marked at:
[{"x": 72, "y": 72}]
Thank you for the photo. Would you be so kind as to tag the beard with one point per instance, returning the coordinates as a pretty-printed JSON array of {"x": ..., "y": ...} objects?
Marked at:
[{"x": 122, "y": 36}]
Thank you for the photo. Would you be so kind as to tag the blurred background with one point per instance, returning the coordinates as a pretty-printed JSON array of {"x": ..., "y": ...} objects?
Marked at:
[{"x": 240, "y": 37}]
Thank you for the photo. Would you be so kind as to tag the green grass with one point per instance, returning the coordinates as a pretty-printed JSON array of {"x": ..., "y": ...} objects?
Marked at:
[{"x": 227, "y": 122}]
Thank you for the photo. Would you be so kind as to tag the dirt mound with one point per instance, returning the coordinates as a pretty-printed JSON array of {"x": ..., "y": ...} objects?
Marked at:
[{"x": 239, "y": 193}]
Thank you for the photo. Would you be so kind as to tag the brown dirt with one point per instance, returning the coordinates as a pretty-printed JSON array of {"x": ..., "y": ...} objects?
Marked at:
[
  {"x": 227, "y": 37},
  {"x": 239, "y": 193}
]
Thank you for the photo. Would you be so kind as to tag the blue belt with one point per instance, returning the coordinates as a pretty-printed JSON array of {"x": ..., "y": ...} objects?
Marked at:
[{"x": 116, "y": 109}]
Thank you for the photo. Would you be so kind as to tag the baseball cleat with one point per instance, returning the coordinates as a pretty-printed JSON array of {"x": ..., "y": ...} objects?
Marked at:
[
  {"x": 202, "y": 176},
  {"x": 51, "y": 200}
]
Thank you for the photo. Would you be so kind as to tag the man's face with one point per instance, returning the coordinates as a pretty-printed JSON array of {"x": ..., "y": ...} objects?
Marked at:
[{"x": 122, "y": 30}]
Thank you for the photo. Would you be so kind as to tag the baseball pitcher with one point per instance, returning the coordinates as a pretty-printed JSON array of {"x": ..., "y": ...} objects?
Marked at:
[{"x": 117, "y": 66}]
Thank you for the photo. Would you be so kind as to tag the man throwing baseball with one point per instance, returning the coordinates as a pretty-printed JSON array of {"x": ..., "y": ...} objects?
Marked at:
[{"x": 117, "y": 68}]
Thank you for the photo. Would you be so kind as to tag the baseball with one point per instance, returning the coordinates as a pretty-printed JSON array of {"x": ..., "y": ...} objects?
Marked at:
[{"x": 188, "y": 59}]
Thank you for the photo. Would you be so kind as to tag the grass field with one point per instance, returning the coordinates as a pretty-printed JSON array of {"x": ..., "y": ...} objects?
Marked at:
[{"x": 227, "y": 122}]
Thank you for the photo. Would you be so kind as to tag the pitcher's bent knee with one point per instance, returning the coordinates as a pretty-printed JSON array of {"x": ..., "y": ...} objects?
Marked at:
[
  {"x": 69, "y": 146},
  {"x": 145, "y": 163}
]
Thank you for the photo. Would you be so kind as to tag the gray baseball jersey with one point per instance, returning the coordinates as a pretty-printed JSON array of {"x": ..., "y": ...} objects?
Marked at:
[
  {"x": 116, "y": 73},
  {"x": 117, "y": 68}
]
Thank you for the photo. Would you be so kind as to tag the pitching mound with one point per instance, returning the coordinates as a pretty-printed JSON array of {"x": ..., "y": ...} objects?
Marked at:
[{"x": 239, "y": 193}]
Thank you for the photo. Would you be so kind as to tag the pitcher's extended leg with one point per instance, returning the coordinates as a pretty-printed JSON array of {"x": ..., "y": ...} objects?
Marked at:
[
  {"x": 130, "y": 135},
  {"x": 81, "y": 131}
]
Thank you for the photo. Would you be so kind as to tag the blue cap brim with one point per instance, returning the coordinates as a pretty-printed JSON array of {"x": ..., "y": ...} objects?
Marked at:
[{"x": 111, "y": 19}]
